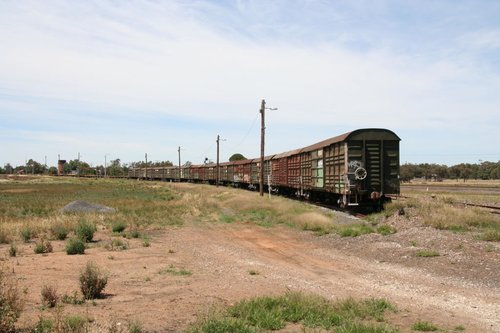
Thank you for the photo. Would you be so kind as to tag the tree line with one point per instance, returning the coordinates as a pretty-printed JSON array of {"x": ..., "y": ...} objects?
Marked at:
[
  {"x": 408, "y": 171},
  {"x": 76, "y": 167},
  {"x": 483, "y": 170}
]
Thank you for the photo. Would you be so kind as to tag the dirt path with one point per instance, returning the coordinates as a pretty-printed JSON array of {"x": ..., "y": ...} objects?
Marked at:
[{"x": 221, "y": 257}]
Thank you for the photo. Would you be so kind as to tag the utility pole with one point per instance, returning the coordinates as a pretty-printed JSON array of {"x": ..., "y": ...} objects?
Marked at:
[
  {"x": 179, "y": 150},
  {"x": 78, "y": 166},
  {"x": 262, "y": 134},
  {"x": 146, "y": 157},
  {"x": 105, "y": 166},
  {"x": 217, "y": 168},
  {"x": 44, "y": 171}
]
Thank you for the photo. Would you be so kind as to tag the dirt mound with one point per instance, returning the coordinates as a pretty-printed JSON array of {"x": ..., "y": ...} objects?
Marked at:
[{"x": 86, "y": 207}]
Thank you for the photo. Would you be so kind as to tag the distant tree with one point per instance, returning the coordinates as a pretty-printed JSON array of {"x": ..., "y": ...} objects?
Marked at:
[
  {"x": 52, "y": 170},
  {"x": 8, "y": 168},
  {"x": 237, "y": 157}
]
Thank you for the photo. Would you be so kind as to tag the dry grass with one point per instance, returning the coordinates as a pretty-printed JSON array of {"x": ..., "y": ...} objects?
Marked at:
[{"x": 442, "y": 212}]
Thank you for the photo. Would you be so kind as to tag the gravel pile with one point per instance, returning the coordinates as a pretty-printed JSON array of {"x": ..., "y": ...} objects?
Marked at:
[{"x": 86, "y": 207}]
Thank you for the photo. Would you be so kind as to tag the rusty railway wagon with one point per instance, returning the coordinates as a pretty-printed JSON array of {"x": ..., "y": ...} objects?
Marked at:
[{"x": 356, "y": 168}]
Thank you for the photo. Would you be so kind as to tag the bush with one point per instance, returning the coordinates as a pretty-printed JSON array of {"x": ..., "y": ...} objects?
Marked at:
[
  {"x": 43, "y": 247},
  {"x": 75, "y": 246},
  {"x": 12, "y": 250},
  {"x": 118, "y": 226},
  {"x": 11, "y": 304},
  {"x": 49, "y": 296},
  {"x": 85, "y": 230},
  {"x": 59, "y": 231},
  {"x": 27, "y": 233},
  {"x": 92, "y": 281}
]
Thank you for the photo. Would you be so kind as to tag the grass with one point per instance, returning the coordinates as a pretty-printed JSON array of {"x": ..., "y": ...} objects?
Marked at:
[
  {"x": 427, "y": 253},
  {"x": 11, "y": 301},
  {"x": 43, "y": 246},
  {"x": 442, "y": 212},
  {"x": 174, "y": 271},
  {"x": 274, "y": 313},
  {"x": 424, "y": 326},
  {"x": 117, "y": 244}
]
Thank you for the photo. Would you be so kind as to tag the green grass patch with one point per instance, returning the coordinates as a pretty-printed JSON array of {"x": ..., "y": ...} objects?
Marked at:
[
  {"x": 354, "y": 230},
  {"x": 386, "y": 230},
  {"x": 118, "y": 226},
  {"x": 274, "y": 313},
  {"x": 424, "y": 326},
  {"x": 171, "y": 270}
]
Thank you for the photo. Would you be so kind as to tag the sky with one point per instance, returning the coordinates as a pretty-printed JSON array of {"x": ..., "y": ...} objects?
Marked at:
[{"x": 118, "y": 79}]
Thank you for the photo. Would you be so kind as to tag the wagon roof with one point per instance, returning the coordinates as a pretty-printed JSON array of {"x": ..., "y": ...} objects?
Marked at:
[
  {"x": 356, "y": 134},
  {"x": 287, "y": 153}
]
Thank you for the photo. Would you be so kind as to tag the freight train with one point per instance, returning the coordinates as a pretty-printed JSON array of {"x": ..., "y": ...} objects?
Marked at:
[{"x": 356, "y": 168}]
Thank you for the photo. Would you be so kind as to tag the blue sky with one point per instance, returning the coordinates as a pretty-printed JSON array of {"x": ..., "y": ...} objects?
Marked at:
[{"x": 124, "y": 78}]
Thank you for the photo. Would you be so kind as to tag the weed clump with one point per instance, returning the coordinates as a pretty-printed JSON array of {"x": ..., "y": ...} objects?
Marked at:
[
  {"x": 13, "y": 250},
  {"x": 43, "y": 246},
  {"x": 386, "y": 230},
  {"x": 11, "y": 304},
  {"x": 49, "y": 296},
  {"x": 118, "y": 226},
  {"x": 424, "y": 326},
  {"x": 92, "y": 281},
  {"x": 26, "y": 233},
  {"x": 75, "y": 246},
  {"x": 59, "y": 231},
  {"x": 85, "y": 231}
]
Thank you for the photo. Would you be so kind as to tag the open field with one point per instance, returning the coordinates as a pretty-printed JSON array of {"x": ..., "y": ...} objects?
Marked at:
[{"x": 185, "y": 255}]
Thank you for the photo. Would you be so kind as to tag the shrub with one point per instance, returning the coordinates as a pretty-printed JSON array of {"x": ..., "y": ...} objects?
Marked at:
[
  {"x": 59, "y": 231},
  {"x": 12, "y": 250},
  {"x": 43, "y": 246},
  {"x": 146, "y": 242},
  {"x": 135, "y": 234},
  {"x": 49, "y": 296},
  {"x": 118, "y": 226},
  {"x": 92, "y": 281},
  {"x": 27, "y": 233},
  {"x": 11, "y": 304},
  {"x": 85, "y": 230},
  {"x": 75, "y": 246}
]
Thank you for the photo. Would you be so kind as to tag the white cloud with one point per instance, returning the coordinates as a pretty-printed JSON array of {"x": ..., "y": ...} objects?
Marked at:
[{"x": 170, "y": 59}]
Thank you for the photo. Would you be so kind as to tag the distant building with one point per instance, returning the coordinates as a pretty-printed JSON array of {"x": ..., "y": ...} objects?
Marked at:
[{"x": 60, "y": 167}]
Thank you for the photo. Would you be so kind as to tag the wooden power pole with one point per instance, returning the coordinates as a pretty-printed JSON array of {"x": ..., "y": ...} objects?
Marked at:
[
  {"x": 262, "y": 134},
  {"x": 217, "y": 168},
  {"x": 179, "y": 150},
  {"x": 146, "y": 157}
]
